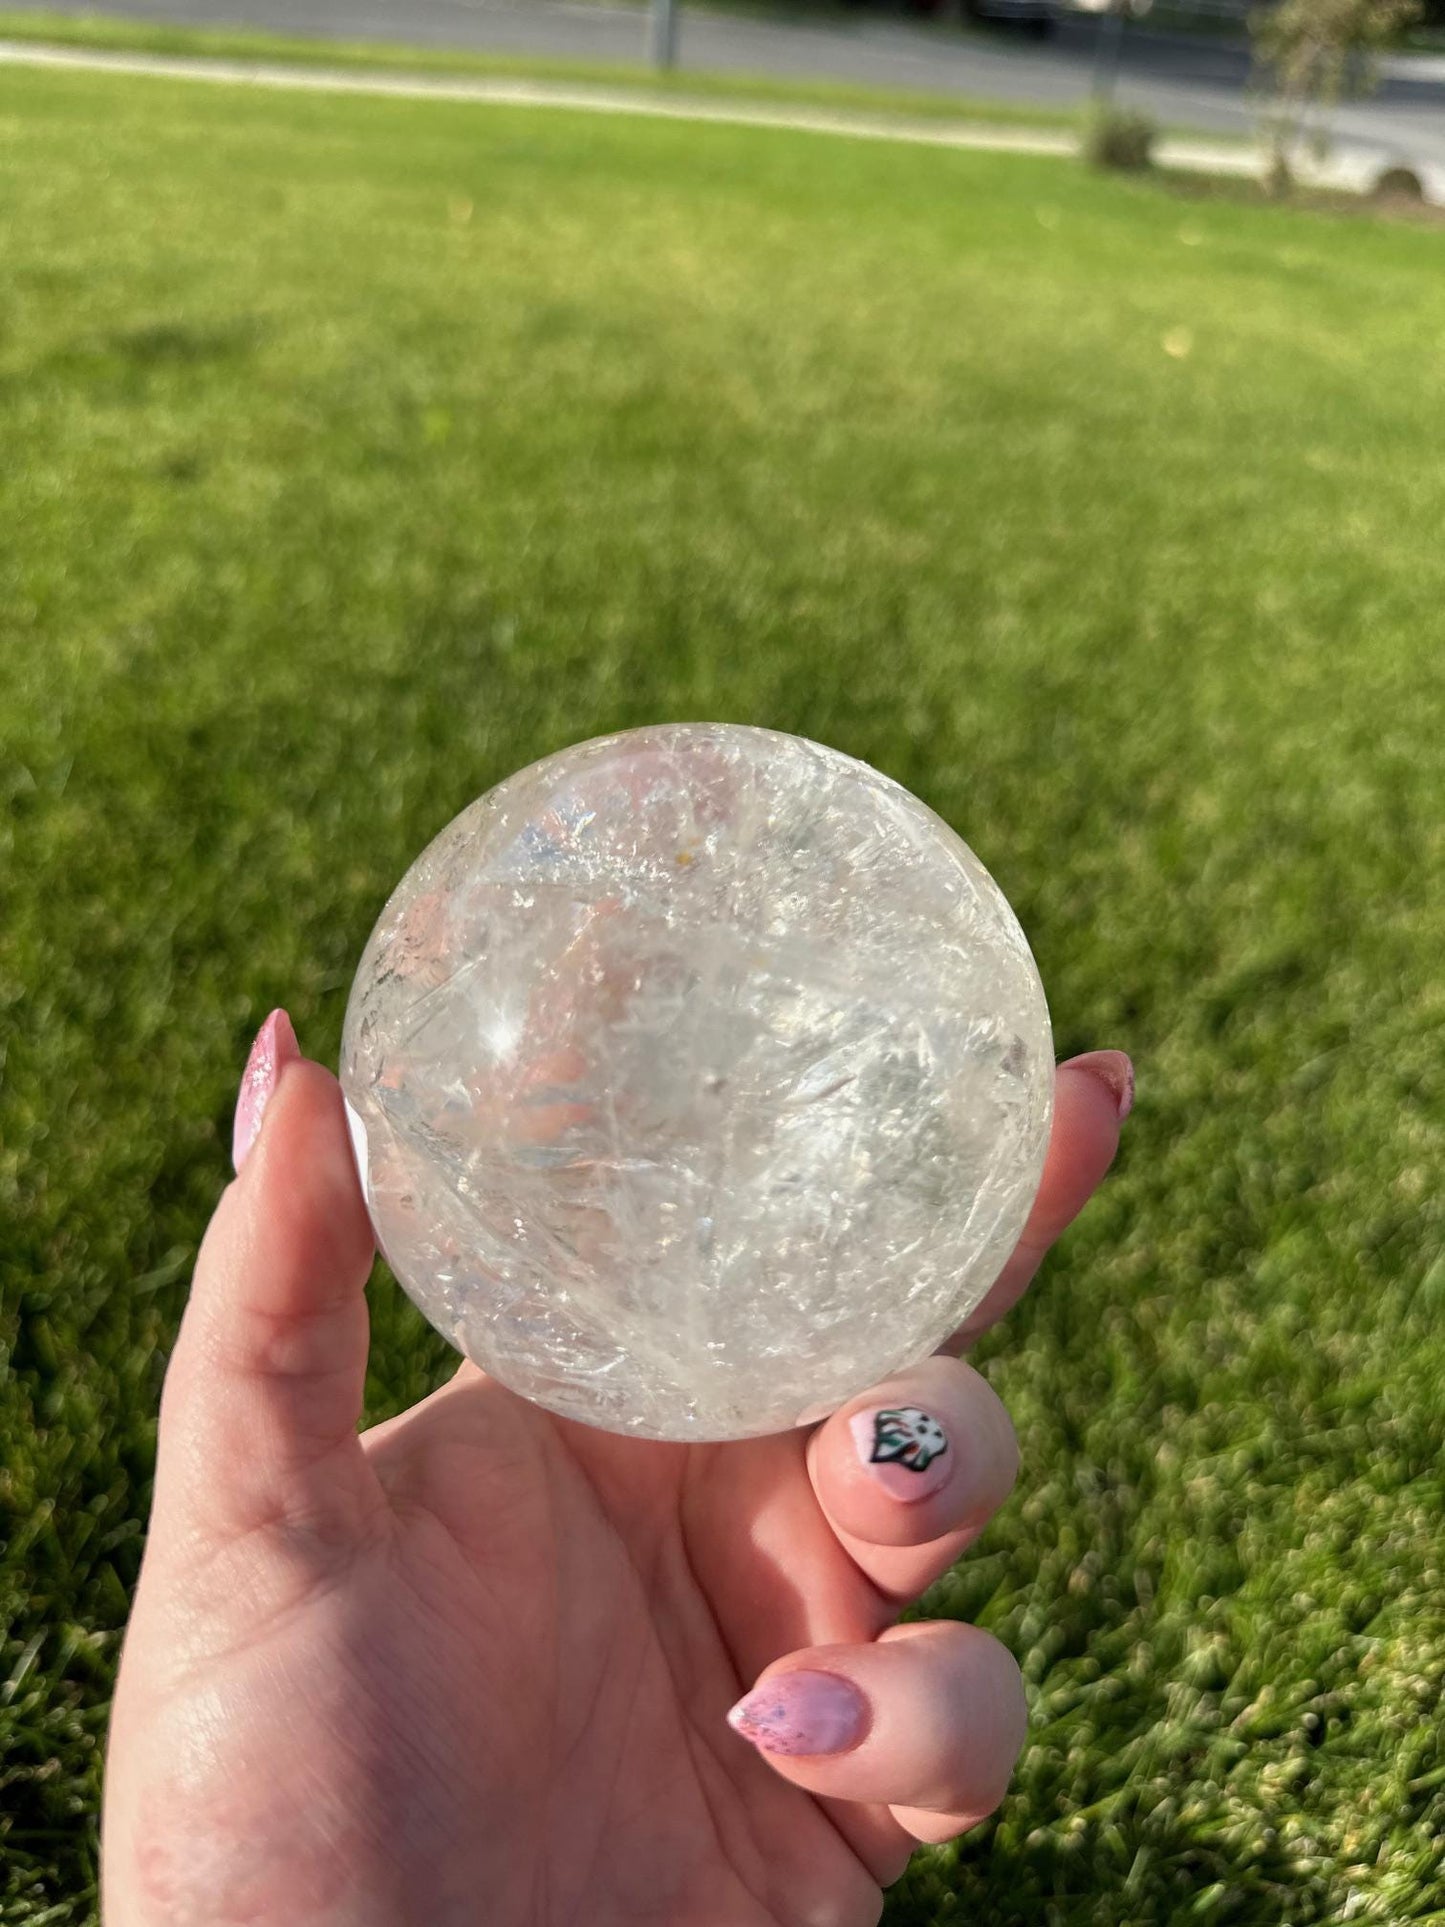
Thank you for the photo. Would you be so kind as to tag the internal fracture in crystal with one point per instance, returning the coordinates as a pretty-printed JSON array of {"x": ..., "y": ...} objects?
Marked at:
[{"x": 699, "y": 1077}]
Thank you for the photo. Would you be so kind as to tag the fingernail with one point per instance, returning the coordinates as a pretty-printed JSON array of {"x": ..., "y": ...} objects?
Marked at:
[
  {"x": 1114, "y": 1071},
  {"x": 275, "y": 1047},
  {"x": 903, "y": 1448},
  {"x": 802, "y": 1712}
]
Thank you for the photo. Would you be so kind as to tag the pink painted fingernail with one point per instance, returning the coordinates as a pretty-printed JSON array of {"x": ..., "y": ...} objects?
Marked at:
[
  {"x": 904, "y": 1449},
  {"x": 275, "y": 1047},
  {"x": 802, "y": 1712},
  {"x": 1115, "y": 1071}
]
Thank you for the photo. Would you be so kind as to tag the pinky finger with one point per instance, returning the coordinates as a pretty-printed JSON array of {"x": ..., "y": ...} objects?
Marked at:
[{"x": 927, "y": 1720}]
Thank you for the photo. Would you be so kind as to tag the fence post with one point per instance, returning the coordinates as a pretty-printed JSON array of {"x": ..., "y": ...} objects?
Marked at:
[
  {"x": 663, "y": 36},
  {"x": 1107, "y": 50}
]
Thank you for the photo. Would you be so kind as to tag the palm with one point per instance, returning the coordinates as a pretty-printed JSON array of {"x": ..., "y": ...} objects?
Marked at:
[
  {"x": 510, "y": 1675},
  {"x": 582, "y": 1615}
]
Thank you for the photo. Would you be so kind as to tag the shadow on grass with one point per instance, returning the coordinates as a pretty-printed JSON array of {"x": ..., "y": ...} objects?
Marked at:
[
  {"x": 127, "y": 357},
  {"x": 174, "y": 343},
  {"x": 1384, "y": 206}
]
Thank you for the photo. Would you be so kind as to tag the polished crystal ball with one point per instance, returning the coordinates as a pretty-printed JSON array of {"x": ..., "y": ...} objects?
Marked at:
[{"x": 699, "y": 1077}]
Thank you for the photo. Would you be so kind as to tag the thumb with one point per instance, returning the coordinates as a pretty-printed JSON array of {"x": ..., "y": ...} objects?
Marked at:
[{"x": 263, "y": 1394}]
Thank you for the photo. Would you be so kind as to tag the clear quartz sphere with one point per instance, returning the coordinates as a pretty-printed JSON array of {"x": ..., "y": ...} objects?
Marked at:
[{"x": 699, "y": 1077}]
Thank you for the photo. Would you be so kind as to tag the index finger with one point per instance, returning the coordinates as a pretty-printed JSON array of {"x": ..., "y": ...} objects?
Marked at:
[{"x": 1093, "y": 1095}]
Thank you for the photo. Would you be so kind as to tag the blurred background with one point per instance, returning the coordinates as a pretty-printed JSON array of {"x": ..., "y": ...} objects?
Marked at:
[
  {"x": 1189, "y": 64},
  {"x": 368, "y": 434}
]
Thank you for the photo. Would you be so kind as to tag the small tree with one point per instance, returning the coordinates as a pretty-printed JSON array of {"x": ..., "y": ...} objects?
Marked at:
[{"x": 1314, "y": 52}]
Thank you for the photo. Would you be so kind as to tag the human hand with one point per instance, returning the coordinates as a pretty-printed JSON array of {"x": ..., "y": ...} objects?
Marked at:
[{"x": 475, "y": 1664}]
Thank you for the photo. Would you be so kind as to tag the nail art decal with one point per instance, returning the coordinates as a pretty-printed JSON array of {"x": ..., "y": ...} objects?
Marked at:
[
  {"x": 904, "y": 1448},
  {"x": 907, "y": 1436}
]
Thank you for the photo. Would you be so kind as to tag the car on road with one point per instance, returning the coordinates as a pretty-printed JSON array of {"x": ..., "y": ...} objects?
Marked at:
[
  {"x": 1035, "y": 16},
  {"x": 1041, "y": 16}
]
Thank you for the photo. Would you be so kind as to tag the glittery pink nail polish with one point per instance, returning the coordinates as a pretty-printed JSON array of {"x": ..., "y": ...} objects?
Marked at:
[
  {"x": 802, "y": 1712},
  {"x": 275, "y": 1047},
  {"x": 904, "y": 1449},
  {"x": 1115, "y": 1071}
]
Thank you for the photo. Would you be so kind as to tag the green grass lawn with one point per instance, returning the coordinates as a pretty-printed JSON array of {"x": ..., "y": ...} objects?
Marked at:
[{"x": 355, "y": 452}]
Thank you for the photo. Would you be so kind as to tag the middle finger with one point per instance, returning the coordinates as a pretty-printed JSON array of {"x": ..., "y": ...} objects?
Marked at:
[{"x": 910, "y": 1472}]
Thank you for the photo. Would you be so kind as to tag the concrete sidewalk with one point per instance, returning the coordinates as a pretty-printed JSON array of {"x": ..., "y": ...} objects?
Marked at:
[{"x": 1349, "y": 172}]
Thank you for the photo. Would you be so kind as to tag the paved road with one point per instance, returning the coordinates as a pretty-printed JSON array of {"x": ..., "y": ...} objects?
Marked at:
[{"x": 1185, "y": 83}]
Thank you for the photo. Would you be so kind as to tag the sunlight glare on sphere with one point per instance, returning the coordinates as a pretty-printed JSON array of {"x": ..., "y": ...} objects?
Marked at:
[{"x": 699, "y": 1077}]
